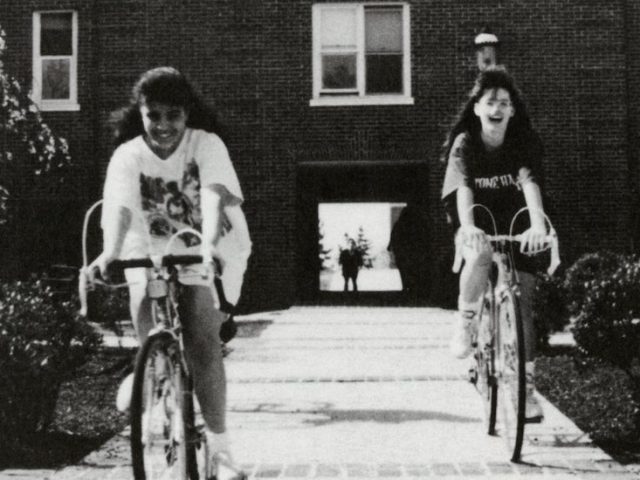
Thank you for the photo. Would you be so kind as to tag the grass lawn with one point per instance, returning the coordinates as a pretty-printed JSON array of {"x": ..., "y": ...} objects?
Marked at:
[
  {"x": 86, "y": 414},
  {"x": 598, "y": 398}
]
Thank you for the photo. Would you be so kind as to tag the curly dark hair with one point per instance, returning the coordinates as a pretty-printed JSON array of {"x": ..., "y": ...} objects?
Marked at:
[{"x": 162, "y": 85}]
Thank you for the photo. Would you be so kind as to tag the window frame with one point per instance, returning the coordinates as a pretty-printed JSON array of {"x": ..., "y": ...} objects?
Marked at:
[
  {"x": 67, "y": 104},
  {"x": 360, "y": 97}
]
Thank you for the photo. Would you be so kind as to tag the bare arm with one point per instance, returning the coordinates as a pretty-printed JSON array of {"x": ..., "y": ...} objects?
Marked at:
[
  {"x": 210, "y": 205},
  {"x": 471, "y": 235},
  {"x": 115, "y": 228},
  {"x": 239, "y": 223},
  {"x": 534, "y": 237},
  {"x": 533, "y": 197}
]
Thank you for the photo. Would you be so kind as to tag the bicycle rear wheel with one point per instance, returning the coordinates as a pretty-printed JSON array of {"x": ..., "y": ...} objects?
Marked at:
[
  {"x": 511, "y": 372},
  {"x": 485, "y": 361},
  {"x": 159, "y": 412}
]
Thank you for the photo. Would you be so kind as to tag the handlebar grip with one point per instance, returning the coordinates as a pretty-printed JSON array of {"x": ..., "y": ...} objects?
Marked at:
[{"x": 120, "y": 265}]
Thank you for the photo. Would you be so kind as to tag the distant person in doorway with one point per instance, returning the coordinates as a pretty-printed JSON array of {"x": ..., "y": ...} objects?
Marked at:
[{"x": 351, "y": 261}]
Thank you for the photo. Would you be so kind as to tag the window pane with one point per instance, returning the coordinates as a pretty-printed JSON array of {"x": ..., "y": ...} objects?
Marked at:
[
  {"x": 383, "y": 30},
  {"x": 384, "y": 73},
  {"x": 55, "y": 79},
  {"x": 56, "y": 33},
  {"x": 338, "y": 28},
  {"x": 338, "y": 71}
]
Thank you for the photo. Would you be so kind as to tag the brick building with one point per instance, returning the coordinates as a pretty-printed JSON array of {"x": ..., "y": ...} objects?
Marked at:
[{"x": 370, "y": 131}]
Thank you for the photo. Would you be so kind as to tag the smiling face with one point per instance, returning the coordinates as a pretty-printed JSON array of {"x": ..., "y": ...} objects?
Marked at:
[
  {"x": 494, "y": 109},
  {"x": 164, "y": 126}
]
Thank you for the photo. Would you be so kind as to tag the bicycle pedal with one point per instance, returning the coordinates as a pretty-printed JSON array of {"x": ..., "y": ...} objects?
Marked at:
[
  {"x": 537, "y": 419},
  {"x": 473, "y": 376},
  {"x": 226, "y": 350}
]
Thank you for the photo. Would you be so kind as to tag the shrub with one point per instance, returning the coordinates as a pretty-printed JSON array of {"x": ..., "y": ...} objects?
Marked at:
[
  {"x": 586, "y": 269},
  {"x": 30, "y": 149},
  {"x": 42, "y": 343},
  {"x": 108, "y": 307},
  {"x": 608, "y": 324},
  {"x": 550, "y": 312}
]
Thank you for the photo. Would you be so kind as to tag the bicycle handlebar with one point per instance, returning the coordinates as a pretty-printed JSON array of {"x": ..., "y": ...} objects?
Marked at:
[
  {"x": 155, "y": 262},
  {"x": 150, "y": 262},
  {"x": 551, "y": 239}
]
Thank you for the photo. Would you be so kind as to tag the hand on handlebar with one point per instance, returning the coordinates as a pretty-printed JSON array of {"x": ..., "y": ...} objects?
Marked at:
[
  {"x": 534, "y": 240},
  {"x": 210, "y": 254},
  {"x": 473, "y": 237},
  {"x": 100, "y": 266}
]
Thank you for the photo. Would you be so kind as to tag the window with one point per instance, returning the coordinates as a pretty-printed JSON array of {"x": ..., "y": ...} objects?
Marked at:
[
  {"x": 361, "y": 54},
  {"x": 55, "y": 53}
]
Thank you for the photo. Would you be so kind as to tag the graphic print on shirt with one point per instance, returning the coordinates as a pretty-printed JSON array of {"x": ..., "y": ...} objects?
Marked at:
[
  {"x": 496, "y": 182},
  {"x": 169, "y": 206}
]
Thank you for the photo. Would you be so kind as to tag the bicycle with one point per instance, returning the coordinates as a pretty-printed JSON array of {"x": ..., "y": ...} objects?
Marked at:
[
  {"x": 498, "y": 371},
  {"x": 166, "y": 439}
]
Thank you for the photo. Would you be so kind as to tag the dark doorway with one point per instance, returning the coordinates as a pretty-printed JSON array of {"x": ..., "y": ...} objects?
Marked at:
[{"x": 372, "y": 195}]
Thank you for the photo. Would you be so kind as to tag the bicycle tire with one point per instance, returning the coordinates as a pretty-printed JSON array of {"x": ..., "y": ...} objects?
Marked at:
[
  {"x": 157, "y": 413},
  {"x": 485, "y": 360},
  {"x": 511, "y": 372}
]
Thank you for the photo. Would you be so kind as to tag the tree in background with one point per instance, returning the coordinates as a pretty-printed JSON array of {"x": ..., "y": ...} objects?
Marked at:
[
  {"x": 32, "y": 158},
  {"x": 364, "y": 245},
  {"x": 324, "y": 253}
]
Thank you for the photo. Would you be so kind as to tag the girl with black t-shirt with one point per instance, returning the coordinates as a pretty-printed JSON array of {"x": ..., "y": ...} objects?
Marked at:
[{"x": 493, "y": 158}]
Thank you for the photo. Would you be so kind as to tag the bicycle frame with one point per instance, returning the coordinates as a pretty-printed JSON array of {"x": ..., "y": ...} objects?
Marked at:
[
  {"x": 162, "y": 290},
  {"x": 499, "y": 366}
]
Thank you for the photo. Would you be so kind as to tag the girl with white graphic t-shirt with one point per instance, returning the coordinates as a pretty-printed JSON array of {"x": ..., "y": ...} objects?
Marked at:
[{"x": 169, "y": 171}]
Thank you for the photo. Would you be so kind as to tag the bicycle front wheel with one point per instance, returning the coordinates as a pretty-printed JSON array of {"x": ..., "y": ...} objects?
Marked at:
[
  {"x": 159, "y": 447},
  {"x": 511, "y": 372},
  {"x": 485, "y": 361}
]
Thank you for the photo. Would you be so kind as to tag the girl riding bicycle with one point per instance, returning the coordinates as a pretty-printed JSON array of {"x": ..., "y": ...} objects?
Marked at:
[
  {"x": 493, "y": 158},
  {"x": 167, "y": 148}
]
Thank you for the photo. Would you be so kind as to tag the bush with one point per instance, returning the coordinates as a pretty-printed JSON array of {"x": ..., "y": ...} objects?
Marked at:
[
  {"x": 42, "y": 343},
  {"x": 108, "y": 307},
  {"x": 550, "y": 312},
  {"x": 585, "y": 270},
  {"x": 606, "y": 304},
  {"x": 608, "y": 324}
]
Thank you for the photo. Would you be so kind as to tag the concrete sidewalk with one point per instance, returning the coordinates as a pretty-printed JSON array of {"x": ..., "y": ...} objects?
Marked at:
[{"x": 337, "y": 392}]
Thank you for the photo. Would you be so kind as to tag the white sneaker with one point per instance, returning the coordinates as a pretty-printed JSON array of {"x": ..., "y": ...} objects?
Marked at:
[
  {"x": 222, "y": 466},
  {"x": 123, "y": 399},
  {"x": 533, "y": 410},
  {"x": 222, "y": 461},
  {"x": 460, "y": 344}
]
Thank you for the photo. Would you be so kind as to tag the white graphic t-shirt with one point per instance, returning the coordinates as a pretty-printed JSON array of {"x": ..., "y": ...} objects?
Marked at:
[{"x": 164, "y": 195}]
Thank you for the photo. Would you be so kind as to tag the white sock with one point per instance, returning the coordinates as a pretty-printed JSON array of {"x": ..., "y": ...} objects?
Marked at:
[
  {"x": 529, "y": 374},
  {"x": 218, "y": 442},
  {"x": 530, "y": 368},
  {"x": 468, "y": 306}
]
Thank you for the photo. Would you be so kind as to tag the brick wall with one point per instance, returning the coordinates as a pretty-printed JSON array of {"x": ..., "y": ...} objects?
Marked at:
[{"x": 575, "y": 61}]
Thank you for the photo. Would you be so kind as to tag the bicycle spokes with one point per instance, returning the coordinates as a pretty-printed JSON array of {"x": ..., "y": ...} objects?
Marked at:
[
  {"x": 158, "y": 433},
  {"x": 484, "y": 366},
  {"x": 510, "y": 374}
]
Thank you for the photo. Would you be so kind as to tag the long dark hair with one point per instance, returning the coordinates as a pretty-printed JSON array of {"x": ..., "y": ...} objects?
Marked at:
[
  {"x": 162, "y": 85},
  {"x": 519, "y": 129}
]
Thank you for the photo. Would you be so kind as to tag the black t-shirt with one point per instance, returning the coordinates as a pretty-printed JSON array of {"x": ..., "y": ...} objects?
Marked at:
[{"x": 496, "y": 178}]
